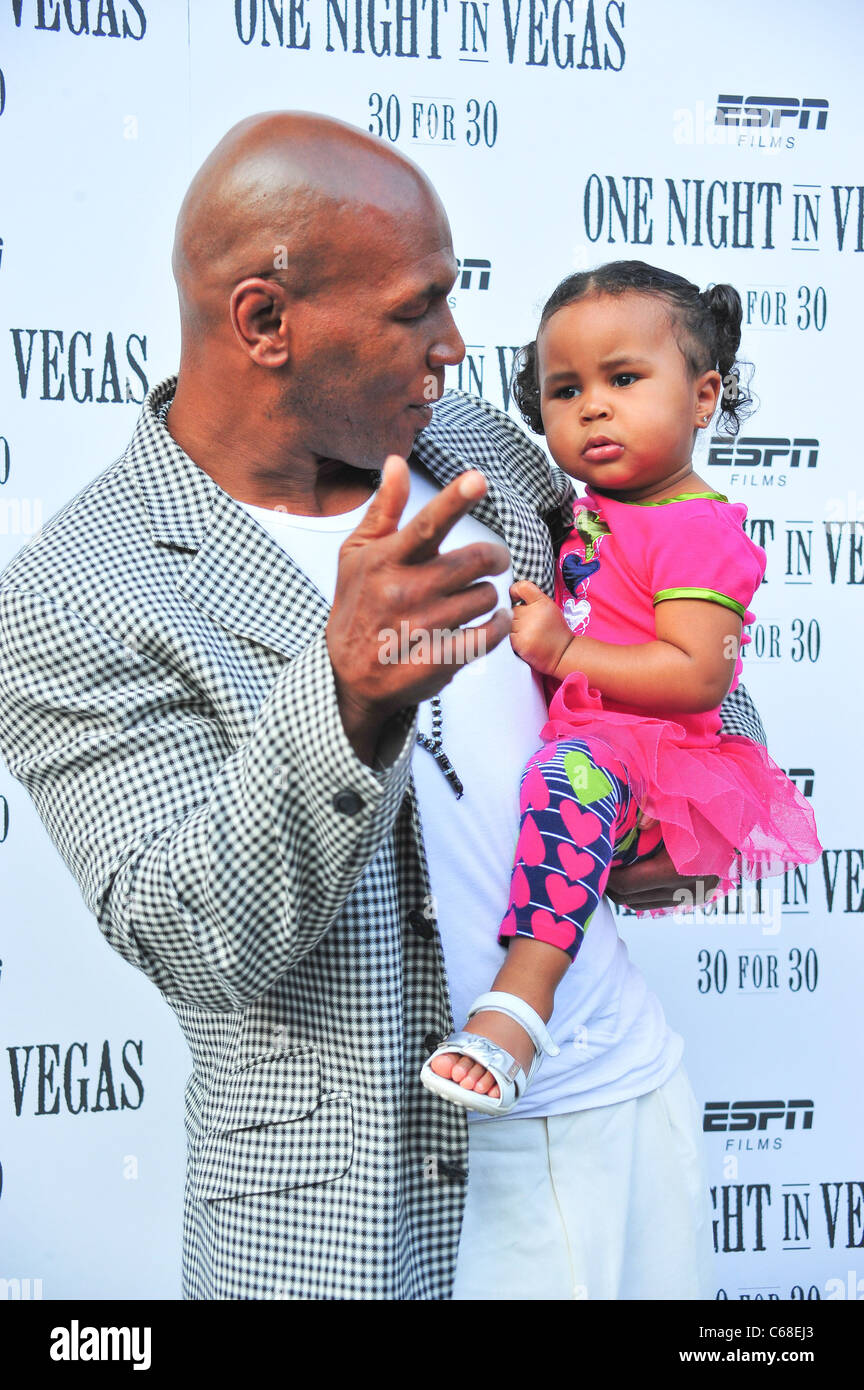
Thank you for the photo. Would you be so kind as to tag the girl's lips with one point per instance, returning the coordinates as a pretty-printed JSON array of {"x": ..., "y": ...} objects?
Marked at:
[{"x": 603, "y": 453}]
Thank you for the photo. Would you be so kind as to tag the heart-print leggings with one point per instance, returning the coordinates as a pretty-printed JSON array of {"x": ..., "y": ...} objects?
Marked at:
[{"x": 578, "y": 820}]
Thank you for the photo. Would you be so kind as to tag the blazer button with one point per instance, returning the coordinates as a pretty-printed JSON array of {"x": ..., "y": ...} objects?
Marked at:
[
  {"x": 348, "y": 802},
  {"x": 454, "y": 1171},
  {"x": 420, "y": 924}
]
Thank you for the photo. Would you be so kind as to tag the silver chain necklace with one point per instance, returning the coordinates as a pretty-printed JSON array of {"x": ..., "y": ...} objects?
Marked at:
[{"x": 433, "y": 743}]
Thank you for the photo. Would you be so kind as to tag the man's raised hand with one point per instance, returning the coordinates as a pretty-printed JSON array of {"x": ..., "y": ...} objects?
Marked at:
[
  {"x": 656, "y": 883},
  {"x": 389, "y": 577}
]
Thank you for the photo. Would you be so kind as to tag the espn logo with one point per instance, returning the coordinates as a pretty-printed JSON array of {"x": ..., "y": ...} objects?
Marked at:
[
  {"x": 770, "y": 111},
  {"x": 730, "y": 1117},
  {"x": 470, "y": 264},
  {"x": 751, "y": 452}
]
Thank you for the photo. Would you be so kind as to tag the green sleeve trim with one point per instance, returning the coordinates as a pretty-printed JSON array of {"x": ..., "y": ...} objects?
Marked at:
[
  {"x": 711, "y": 595},
  {"x": 682, "y": 497}
]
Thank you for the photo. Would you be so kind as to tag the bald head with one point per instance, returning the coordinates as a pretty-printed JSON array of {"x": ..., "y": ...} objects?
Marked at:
[
  {"x": 314, "y": 266},
  {"x": 284, "y": 195}
]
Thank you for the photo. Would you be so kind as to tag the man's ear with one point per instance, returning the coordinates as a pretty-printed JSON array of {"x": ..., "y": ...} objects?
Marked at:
[{"x": 259, "y": 317}]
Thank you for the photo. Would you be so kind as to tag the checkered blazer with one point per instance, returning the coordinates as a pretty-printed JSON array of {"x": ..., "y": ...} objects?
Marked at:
[{"x": 167, "y": 699}]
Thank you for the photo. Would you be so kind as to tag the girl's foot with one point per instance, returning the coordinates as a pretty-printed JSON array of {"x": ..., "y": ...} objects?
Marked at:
[
  {"x": 470, "y": 1075},
  {"x": 477, "y": 1069}
]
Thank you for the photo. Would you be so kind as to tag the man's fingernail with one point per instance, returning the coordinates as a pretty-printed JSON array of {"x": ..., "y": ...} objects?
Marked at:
[{"x": 472, "y": 485}]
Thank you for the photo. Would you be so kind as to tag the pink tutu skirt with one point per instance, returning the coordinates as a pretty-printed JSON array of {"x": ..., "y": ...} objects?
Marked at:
[{"x": 727, "y": 809}]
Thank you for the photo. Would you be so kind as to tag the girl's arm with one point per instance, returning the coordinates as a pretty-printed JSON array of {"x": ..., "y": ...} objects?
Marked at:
[{"x": 689, "y": 667}]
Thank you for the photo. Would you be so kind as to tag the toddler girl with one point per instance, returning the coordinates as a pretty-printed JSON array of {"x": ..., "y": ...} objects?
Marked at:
[{"x": 638, "y": 649}]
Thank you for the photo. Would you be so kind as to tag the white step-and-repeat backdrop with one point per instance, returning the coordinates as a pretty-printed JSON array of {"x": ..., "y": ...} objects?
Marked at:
[{"x": 723, "y": 144}]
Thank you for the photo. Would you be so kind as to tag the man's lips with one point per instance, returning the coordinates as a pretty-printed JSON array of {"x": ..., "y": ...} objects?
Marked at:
[{"x": 602, "y": 450}]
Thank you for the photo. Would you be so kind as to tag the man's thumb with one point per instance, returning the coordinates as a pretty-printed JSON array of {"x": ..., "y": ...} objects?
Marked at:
[{"x": 385, "y": 511}]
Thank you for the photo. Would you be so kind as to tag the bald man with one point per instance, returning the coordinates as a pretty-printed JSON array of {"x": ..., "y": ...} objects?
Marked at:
[{"x": 196, "y": 694}]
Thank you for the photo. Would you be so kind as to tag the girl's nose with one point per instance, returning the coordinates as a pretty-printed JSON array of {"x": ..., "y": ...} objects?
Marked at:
[{"x": 595, "y": 406}]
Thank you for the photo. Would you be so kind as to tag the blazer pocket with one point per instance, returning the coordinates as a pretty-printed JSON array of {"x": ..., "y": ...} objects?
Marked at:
[
  {"x": 274, "y": 1131},
  {"x": 268, "y": 1090}
]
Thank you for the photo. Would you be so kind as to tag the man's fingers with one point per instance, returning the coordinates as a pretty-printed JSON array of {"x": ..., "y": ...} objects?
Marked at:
[
  {"x": 395, "y": 582},
  {"x": 446, "y": 612},
  {"x": 420, "y": 538},
  {"x": 433, "y": 664},
  {"x": 469, "y": 643},
  {"x": 456, "y": 569},
  {"x": 656, "y": 883},
  {"x": 385, "y": 510}
]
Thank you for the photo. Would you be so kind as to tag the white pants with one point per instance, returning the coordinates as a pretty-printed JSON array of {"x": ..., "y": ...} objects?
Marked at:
[{"x": 608, "y": 1203}]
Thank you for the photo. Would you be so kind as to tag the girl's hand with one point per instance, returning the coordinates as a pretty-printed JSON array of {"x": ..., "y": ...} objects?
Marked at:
[{"x": 539, "y": 633}]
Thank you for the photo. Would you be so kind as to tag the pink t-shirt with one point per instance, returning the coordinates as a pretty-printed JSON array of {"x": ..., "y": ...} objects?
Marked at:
[{"x": 610, "y": 576}]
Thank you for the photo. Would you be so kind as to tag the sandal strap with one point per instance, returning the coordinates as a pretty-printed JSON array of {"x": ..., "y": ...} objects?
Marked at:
[
  {"x": 514, "y": 1007},
  {"x": 494, "y": 1058}
]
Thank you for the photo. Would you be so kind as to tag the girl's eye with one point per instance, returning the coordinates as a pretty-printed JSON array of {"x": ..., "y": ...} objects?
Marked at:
[
  {"x": 566, "y": 393},
  {"x": 625, "y": 378}
]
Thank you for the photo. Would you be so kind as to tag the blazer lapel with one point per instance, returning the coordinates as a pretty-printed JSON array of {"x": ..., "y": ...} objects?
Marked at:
[
  {"x": 446, "y": 452},
  {"x": 247, "y": 582},
  {"x": 238, "y": 574},
  {"x": 434, "y": 450}
]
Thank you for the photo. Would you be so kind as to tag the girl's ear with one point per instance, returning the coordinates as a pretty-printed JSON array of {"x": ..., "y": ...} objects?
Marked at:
[{"x": 707, "y": 388}]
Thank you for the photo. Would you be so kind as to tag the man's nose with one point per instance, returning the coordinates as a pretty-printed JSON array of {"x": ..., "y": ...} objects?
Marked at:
[{"x": 448, "y": 347}]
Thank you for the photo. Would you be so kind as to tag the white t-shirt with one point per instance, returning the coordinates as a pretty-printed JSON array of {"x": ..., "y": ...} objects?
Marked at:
[{"x": 615, "y": 1042}]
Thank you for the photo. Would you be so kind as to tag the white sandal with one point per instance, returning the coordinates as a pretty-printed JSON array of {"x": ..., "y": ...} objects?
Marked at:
[{"x": 509, "y": 1076}]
